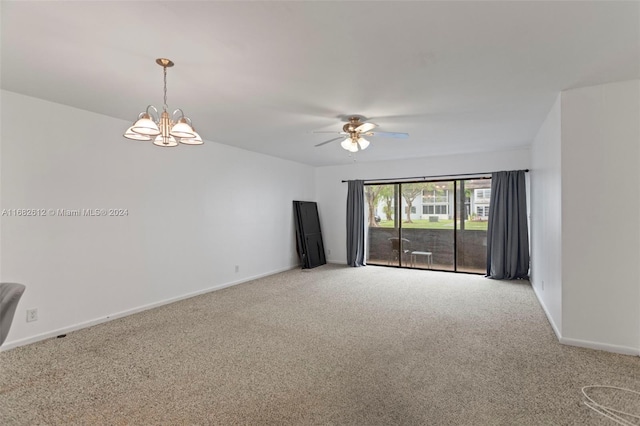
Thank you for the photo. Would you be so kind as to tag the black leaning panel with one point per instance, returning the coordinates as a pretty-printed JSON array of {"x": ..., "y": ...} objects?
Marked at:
[{"x": 308, "y": 234}]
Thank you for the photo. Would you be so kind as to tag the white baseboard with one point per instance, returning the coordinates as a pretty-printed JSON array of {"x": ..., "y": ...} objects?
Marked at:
[
  {"x": 49, "y": 334},
  {"x": 625, "y": 350},
  {"x": 554, "y": 326},
  {"x": 32, "y": 339}
]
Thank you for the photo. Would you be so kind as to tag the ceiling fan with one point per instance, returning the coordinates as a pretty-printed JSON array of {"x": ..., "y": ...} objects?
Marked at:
[{"x": 353, "y": 132}]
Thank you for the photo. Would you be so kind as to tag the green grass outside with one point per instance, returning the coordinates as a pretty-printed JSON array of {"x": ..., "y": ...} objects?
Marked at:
[{"x": 440, "y": 224}]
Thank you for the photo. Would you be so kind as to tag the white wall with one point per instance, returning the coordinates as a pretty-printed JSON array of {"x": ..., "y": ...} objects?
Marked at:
[
  {"x": 600, "y": 211},
  {"x": 331, "y": 193},
  {"x": 188, "y": 222},
  {"x": 546, "y": 217}
]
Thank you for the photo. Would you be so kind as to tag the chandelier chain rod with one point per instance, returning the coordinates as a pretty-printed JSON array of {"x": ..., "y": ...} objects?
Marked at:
[{"x": 165, "y": 107}]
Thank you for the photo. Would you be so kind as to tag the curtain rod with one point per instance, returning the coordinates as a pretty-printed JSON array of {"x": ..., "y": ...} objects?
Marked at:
[{"x": 430, "y": 177}]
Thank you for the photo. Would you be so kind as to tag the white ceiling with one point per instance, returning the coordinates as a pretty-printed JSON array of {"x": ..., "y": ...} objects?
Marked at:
[{"x": 457, "y": 76}]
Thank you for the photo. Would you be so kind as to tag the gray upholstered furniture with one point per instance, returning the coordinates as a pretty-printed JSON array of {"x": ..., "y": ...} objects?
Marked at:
[{"x": 10, "y": 294}]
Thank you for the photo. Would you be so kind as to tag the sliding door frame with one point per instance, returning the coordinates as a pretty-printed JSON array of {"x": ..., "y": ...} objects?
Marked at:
[{"x": 397, "y": 185}]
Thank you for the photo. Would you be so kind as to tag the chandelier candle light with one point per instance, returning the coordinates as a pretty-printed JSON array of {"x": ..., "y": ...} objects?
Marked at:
[{"x": 162, "y": 129}]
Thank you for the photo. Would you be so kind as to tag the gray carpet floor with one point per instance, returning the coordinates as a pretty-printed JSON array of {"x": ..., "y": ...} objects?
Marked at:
[{"x": 332, "y": 345}]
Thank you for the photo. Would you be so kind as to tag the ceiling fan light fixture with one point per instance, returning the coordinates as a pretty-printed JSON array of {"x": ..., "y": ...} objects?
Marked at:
[
  {"x": 363, "y": 143},
  {"x": 354, "y": 130}
]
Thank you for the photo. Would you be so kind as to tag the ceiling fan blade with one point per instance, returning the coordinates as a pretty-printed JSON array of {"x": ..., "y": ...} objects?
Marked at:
[
  {"x": 389, "y": 118},
  {"x": 329, "y": 141},
  {"x": 365, "y": 127},
  {"x": 326, "y": 131},
  {"x": 389, "y": 134}
]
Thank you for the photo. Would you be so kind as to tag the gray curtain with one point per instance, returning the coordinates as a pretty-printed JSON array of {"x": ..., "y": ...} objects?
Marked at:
[
  {"x": 508, "y": 234},
  {"x": 355, "y": 223}
]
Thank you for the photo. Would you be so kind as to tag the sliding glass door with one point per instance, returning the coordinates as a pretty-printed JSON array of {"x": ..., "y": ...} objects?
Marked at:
[
  {"x": 438, "y": 224},
  {"x": 471, "y": 227},
  {"x": 427, "y": 224},
  {"x": 383, "y": 225}
]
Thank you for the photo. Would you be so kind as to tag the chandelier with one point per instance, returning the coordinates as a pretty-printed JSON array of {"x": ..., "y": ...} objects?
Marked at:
[{"x": 164, "y": 129}]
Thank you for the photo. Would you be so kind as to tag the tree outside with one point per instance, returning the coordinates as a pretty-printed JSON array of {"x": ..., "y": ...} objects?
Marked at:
[
  {"x": 372, "y": 192},
  {"x": 434, "y": 204},
  {"x": 387, "y": 193},
  {"x": 410, "y": 192}
]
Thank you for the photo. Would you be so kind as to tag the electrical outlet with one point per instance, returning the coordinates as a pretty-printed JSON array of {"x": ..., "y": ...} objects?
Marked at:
[
  {"x": 32, "y": 315},
  {"x": 543, "y": 284},
  {"x": 237, "y": 268},
  {"x": 329, "y": 252}
]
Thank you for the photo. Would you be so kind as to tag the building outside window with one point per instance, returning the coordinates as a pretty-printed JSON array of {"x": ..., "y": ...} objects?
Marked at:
[
  {"x": 435, "y": 209},
  {"x": 482, "y": 197},
  {"x": 435, "y": 202},
  {"x": 482, "y": 212}
]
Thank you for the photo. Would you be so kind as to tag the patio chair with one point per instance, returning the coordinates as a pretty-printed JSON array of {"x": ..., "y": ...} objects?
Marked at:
[{"x": 394, "y": 254}]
